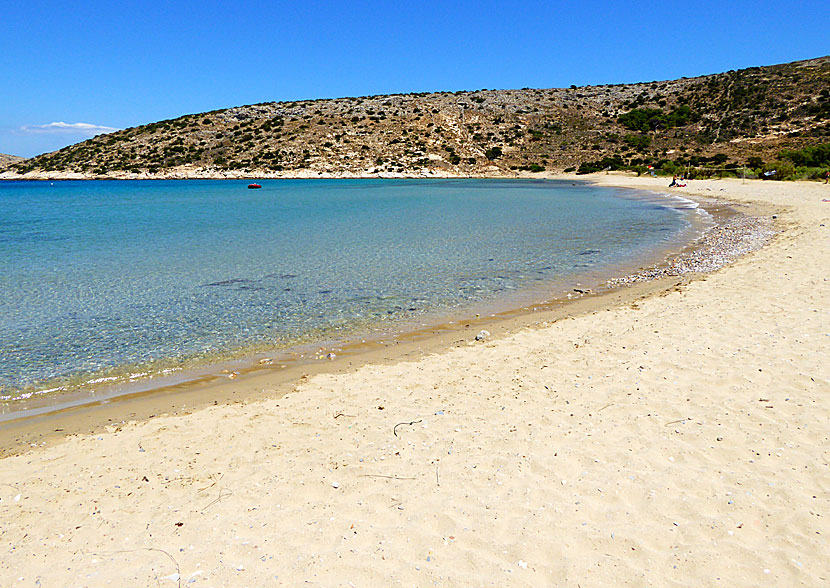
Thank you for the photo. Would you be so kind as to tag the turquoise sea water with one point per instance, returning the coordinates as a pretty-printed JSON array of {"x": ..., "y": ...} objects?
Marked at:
[{"x": 99, "y": 278}]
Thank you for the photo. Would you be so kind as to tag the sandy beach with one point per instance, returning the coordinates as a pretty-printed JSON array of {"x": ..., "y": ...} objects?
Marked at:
[{"x": 677, "y": 439}]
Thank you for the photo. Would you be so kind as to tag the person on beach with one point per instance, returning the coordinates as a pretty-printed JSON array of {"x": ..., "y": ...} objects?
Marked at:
[
  {"x": 673, "y": 182},
  {"x": 827, "y": 177}
]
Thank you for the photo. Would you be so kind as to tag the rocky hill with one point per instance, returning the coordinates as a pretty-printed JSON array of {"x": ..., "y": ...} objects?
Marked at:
[
  {"x": 7, "y": 160},
  {"x": 710, "y": 120}
]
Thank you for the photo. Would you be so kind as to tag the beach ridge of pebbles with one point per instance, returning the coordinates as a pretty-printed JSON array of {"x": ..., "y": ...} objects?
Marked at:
[{"x": 717, "y": 247}]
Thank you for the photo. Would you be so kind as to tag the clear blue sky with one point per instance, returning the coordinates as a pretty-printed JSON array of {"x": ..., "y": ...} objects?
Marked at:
[{"x": 118, "y": 64}]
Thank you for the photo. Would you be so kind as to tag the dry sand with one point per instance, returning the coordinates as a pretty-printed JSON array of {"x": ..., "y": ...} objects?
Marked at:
[{"x": 678, "y": 440}]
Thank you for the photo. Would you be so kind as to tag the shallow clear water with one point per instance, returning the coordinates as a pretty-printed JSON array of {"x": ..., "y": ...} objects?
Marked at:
[{"x": 101, "y": 277}]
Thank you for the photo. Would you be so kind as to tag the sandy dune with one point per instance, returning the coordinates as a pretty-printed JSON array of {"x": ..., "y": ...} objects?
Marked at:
[{"x": 678, "y": 440}]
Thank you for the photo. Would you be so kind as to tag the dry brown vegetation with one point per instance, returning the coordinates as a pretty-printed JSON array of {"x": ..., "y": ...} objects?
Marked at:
[
  {"x": 728, "y": 117},
  {"x": 6, "y": 160}
]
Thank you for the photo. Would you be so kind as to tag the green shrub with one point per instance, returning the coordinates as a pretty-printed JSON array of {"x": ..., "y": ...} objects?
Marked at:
[
  {"x": 640, "y": 119},
  {"x": 493, "y": 153},
  {"x": 814, "y": 173},
  {"x": 638, "y": 142},
  {"x": 679, "y": 117},
  {"x": 755, "y": 162},
  {"x": 784, "y": 170},
  {"x": 810, "y": 156},
  {"x": 669, "y": 168},
  {"x": 611, "y": 163},
  {"x": 650, "y": 119}
]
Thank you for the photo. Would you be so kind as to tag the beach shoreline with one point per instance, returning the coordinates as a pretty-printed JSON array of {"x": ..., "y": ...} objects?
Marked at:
[
  {"x": 672, "y": 435},
  {"x": 34, "y": 416},
  {"x": 195, "y": 173}
]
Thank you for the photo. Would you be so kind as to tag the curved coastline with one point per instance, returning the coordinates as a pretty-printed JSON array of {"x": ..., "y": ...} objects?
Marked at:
[
  {"x": 112, "y": 381},
  {"x": 155, "y": 390},
  {"x": 671, "y": 437}
]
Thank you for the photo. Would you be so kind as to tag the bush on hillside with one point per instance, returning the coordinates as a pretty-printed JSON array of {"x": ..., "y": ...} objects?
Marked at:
[
  {"x": 493, "y": 153},
  {"x": 811, "y": 156},
  {"x": 638, "y": 142},
  {"x": 651, "y": 119},
  {"x": 610, "y": 163}
]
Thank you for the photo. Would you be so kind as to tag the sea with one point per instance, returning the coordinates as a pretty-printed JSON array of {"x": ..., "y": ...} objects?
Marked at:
[{"x": 117, "y": 281}]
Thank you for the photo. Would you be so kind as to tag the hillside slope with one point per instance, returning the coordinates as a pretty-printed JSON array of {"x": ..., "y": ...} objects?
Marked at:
[
  {"x": 713, "y": 119},
  {"x": 7, "y": 160}
]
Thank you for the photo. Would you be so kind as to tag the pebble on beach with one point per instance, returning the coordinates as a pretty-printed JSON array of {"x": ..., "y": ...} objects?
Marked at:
[{"x": 717, "y": 247}]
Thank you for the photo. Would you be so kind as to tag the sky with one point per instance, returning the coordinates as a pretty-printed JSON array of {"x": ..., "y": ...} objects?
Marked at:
[{"x": 71, "y": 70}]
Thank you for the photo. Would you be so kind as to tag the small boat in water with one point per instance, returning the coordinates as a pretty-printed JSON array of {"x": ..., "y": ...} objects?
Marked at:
[{"x": 253, "y": 186}]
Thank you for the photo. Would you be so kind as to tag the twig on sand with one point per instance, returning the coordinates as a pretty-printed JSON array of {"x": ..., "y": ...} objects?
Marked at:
[
  {"x": 340, "y": 414},
  {"x": 382, "y": 476},
  {"x": 606, "y": 406},
  {"x": 223, "y": 492},
  {"x": 395, "y": 428},
  {"x": 110, "y": 553},
  {"x": 215, "y": 481},
  {"x": 675, "y": 422},
  {"x": 179, "y": 479},
  {"x": 437, "y": 483}
]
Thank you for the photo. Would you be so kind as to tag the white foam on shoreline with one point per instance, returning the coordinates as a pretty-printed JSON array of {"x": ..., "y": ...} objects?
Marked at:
[
  {"x": 667, "y": 202},
  {"x": 100, "y": 380},
  {"x": 27, "y": 395},
  {"x": 680, "y": 202}
]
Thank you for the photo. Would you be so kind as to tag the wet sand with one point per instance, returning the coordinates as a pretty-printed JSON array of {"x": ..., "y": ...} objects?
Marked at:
[
  {"x": 669, "y": 435},
  {"x": 48, "y": 417}
]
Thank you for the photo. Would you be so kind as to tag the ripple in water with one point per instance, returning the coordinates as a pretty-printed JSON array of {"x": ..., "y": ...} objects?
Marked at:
[{"x": 99, "y": 278}]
